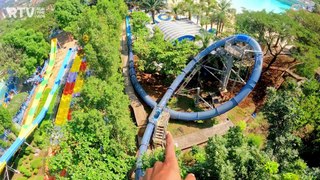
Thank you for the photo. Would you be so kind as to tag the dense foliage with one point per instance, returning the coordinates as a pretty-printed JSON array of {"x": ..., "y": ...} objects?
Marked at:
[
  {"x": 294, "y": 124},
  {"x": 99, "y": 141},
  {"x": 164, "y": 57},
  {"x": 22, "y": 50},
  {"x": 294, "y": 30},
  {"x": 234, "y": 156},
  {"x": 5, "y": 119}
]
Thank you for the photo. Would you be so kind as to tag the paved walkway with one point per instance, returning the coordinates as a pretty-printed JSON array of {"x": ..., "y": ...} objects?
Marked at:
[
  {"x": 202, "y": 136},
  {"x": 138, "y": 109}
]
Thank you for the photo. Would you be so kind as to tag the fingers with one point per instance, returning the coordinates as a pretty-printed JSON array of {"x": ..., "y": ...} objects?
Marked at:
[
  {"x": 157, "y": 166},
  {"x": 170, "y": 153},
  {"x": 148, "y": 173},
  {"x": 190, "y": 177}
]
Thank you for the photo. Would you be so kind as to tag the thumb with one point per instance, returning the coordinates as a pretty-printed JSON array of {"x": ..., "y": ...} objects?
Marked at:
[{"x": 190, "y": 177}]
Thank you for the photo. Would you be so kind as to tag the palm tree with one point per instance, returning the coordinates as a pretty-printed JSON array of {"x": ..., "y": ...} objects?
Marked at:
[
  {"x": 223, "y": 11},
  {"x": 152, "y": 6},
  {"x": 208, "y": 9},
  {"x": 198, "y": 11},
  {"x": 205, "y": 37},
  {"x": 188, "y": 6}
]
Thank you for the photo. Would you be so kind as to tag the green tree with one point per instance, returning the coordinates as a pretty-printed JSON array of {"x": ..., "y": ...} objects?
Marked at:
[
  {"x": 224, "y": 11},
  {"x": 152, "y": 6},
  {"x": 67, "y": 11},
  {"x": 205, "y": 37},
  {"x": 31, "y": 44},
  {"x": 88, "y": 149},
  {"x": 273, "y": 31},
  {"x": 188, "y": 6},
  {"x": 139, "y": 21},
  {"x": 306, "y": 42},
  {"x": 157, "y": 55},
  {"x": 5, "y": 119}
]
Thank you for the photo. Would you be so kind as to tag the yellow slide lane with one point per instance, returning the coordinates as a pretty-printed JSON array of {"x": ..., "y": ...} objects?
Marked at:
[{"x": 64, "y": 106}]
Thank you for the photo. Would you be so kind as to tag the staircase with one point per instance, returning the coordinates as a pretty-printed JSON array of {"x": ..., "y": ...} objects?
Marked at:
[{"x": 159, "y": 134}]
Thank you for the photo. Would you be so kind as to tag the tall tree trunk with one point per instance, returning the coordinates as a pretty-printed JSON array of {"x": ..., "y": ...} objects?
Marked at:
[
  {"x": 211, "y": 24},
  {"x": 189, "y": 14},
  {"x": 273, "y": 60},
  {"x": 198, "y": 19},
  {"x": 222, "y": 27},
  {"x": 217, "y": 30},
  {"x": 153, "y": 14}
]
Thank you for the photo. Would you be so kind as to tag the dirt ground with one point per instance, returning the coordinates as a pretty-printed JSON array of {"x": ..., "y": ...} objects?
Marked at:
[{"x": 154, "y": 86}]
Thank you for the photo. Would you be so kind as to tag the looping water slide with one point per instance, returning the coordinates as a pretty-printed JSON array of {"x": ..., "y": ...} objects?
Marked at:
[
  {"x": 29, "y": 125},
  {"x": 159, "y": 108}
]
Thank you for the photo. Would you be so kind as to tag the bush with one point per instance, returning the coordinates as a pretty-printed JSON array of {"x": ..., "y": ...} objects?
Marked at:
[
  {"x": 35, "y": 171},
  {"x": 36, "y": 163},
  {"x": 256, "y": 140},
  {"x": 242, "y": 125},
  {"x": 28, "y": 150},
  {"x": 25, "y": 171},
  {"x": 290, "y": 176}
]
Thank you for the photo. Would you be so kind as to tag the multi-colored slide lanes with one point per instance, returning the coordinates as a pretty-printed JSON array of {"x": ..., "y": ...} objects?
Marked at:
[
  {"x": 30, "y": 125},
  {"x": 42, "y": 85},
  {"x": 72, "y": 88}
]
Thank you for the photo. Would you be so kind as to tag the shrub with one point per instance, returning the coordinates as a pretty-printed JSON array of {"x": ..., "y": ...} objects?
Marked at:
[
  {"x": 255, "y": 140},
  {"x": 242, "y": 125},
  {"x": 290, "y": 176},
  {"x": 36, "y": 163},
  {"x": 28, "y": 150},
  {"x": 35, "y": 171},
  {"x": 25, "y": 171}
]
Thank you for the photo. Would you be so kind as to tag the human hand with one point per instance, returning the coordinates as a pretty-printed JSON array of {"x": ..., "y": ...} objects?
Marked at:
[{"x": 169, "y": 169}]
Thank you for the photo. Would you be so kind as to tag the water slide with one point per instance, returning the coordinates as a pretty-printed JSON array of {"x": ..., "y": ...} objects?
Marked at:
[
  {"x": 72, "y": 86},
  {"x": 19, "y": 115},
  {"x": 42, "y": 85},
  {"x": 158, "y": 108},
  {"x": 27, "y": 129}
]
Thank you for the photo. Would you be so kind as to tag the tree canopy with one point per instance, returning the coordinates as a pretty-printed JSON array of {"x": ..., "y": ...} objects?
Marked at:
[
  {"x": 99, "y": 141},
  {"x": 164, "y": 57}
]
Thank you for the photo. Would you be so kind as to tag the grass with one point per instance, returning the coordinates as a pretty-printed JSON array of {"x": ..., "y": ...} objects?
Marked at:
[
  {"x": 183, "y": 103},
  {"x": 16, "y": 102},
  {"x": 180, "y": 128}
]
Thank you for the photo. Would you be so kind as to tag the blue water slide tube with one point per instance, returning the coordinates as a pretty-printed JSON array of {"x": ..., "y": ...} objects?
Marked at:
[
  {"x": 20, "y": 140},
  {"x": 158, "y": 108},
  {"x": 187, "y": 116}
]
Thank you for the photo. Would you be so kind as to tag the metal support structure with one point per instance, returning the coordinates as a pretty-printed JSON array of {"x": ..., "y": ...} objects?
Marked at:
[
  {"x": 6, "y": 173},
  {"x": 188, "y": 79},
  {"x": 226, "y": 75},
  {"x": 197, "y": 96}
]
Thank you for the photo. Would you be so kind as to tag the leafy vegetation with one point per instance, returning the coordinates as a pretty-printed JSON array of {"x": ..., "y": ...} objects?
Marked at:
[
  {"x": 279, "y": 32},
  {"x": 159, "y": 56},
  {"x": 152, "y": 6},
  {"x": 5, "y": 119},
  {"x": 101, "y": 130}
]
